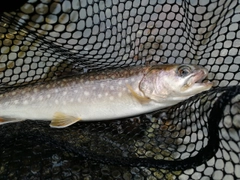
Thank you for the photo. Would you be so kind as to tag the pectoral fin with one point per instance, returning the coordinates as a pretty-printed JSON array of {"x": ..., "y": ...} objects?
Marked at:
[
  {"x": 61, "y": 120},
  {"x": 141, "y": 99}
]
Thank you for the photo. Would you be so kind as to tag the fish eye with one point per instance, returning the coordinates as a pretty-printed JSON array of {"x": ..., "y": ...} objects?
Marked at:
[{"x": 184, "y": 71}]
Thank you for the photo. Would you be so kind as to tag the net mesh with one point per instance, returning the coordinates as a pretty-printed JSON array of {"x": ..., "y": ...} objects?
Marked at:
[{"x": 196, "y": 139}]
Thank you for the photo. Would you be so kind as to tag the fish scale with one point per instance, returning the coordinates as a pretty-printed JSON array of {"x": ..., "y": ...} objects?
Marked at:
[{"x": 109, "y": 94}]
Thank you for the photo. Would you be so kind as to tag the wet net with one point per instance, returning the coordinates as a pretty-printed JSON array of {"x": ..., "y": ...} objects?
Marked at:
[{"x": 195, "y": 139}]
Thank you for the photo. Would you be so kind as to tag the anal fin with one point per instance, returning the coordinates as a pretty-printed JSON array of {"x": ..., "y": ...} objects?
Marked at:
[
  {"x": 5, "y": 120},
  {"x": 61, "y": 120}
]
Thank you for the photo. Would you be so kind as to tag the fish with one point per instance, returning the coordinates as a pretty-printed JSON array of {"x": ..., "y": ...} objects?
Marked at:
[{"x": 103, "y": 95}]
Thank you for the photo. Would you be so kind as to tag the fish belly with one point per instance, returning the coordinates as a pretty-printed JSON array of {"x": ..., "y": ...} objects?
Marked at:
[{"x": 104, "y": 108}]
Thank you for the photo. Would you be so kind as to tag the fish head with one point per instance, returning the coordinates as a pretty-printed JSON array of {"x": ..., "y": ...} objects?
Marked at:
[{"x": 174, "y": 82}]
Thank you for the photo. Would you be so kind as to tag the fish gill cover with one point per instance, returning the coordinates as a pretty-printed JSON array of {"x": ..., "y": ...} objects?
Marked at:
[{"x": 196, "y": 139}]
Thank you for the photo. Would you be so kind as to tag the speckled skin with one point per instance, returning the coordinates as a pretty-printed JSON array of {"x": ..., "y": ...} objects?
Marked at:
[{"x": 94, "y": 96}]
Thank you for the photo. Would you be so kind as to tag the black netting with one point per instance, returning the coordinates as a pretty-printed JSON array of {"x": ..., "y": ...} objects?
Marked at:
[{"x": 196, "y": 139}]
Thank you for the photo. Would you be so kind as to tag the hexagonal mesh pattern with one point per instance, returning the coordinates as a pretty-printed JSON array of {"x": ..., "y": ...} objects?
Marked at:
[{"x": 196, "y": 139}]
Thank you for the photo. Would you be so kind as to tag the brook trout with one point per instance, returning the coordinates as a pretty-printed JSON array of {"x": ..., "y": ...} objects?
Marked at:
[{"x": 105, "y": 95}]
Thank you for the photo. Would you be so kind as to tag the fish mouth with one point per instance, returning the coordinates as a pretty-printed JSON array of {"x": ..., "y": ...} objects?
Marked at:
[{"x": 198, "y": 78}]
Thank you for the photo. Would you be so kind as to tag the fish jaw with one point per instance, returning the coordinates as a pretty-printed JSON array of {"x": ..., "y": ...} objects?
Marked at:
[{"x": 195, "y": 84}]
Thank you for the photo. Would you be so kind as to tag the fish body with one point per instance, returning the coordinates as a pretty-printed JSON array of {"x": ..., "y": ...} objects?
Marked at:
[{"x": 109, "y": 94}]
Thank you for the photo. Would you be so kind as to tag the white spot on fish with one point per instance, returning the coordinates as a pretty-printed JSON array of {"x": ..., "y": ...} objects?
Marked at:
[
  {"x": 48, "y": 96},
  {"x": 120, "y": 94},
  {"x": 71, "y": 100},
  {"x": 120, "y": 82},
  {"x": 86, "y": 93},
  {"x": 102, "y": 85},
  {"x": 13, "y": 93},
  {"x": 106, "y": 94},
  {"x": 111, "y": 87},
  {"x": 132, "y": 79},
  {"x": 25, "y": 102},
  {"x": 56, "y": 101},
  {"x": 99, "y": 95},
  {"x": 16, "y": 102},
  {"x": 35, "y": 90},
  {"x": 79, "y": 99},
  {"x": 56, "y": 90},
  {"x": 126, "y": 80},
  {"x": 64, "y": 93},
  {"x": 124, "y": 89},
  {"x": 94, "y": 88},
  {"x": 40, "y": 98},
  {"x": 48, "y": 86},
  {"x": 111, "y": 98},
  {"x": 75, "y": 91}
]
